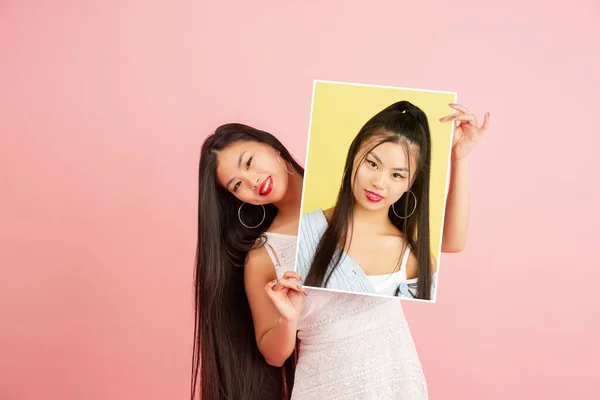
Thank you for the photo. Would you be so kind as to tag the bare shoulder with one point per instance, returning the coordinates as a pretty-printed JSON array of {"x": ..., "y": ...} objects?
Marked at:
[
  {"x": 433, "y": 263},
  {"x": 412, "y": 265},
  {"x": 329, "y": 213},
  {"x": 256, "y": 255},
  {"x": 258, "y": 266}
]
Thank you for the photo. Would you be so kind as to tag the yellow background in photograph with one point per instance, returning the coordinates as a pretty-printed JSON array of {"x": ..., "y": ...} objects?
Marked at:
[{"x": 338, "y": 113}]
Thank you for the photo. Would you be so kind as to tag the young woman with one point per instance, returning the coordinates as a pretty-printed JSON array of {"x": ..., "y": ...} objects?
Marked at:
[
  {"x": 250, "y": 189},
  {"x": 250, "y": 309},
  {"x": 381, "y": 215}
]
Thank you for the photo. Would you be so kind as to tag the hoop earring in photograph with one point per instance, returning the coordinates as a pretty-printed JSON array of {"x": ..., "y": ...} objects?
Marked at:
[{"x": 414, "y": 208}]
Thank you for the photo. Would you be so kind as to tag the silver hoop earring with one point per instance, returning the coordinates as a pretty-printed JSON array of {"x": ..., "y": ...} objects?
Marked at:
[
  {"x": 413, "y": 211},
  {"x": 247, "y": 226},
  {"x": 283, "y": 165}
]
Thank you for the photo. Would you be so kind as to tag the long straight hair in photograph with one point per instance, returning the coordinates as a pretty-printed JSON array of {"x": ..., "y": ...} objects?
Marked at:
[{"x": 405, "y": 124}]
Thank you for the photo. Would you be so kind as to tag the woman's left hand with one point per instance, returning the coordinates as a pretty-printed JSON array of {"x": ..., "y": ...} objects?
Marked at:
[{"x": 466, "y": 133}]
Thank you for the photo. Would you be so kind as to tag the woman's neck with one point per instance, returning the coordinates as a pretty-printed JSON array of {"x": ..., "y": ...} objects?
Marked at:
[{"x": 369, "y": 221}]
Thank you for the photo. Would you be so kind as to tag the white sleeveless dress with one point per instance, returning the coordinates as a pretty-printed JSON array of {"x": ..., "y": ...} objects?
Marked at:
[{"x": 352, "y": 346}]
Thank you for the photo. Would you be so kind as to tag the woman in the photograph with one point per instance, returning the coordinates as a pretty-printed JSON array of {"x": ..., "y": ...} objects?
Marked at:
[
  {"x": 381, "y": 214},
  {"x": 259, "y": 334}
]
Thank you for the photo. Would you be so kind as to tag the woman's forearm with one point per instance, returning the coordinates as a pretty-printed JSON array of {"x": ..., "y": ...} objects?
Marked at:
[
  {"x": 278, "y": 343},
  {"x": 456, "y": 220}
]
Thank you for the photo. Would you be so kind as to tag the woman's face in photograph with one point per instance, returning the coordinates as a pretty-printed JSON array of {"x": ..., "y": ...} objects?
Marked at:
[
  {"x": 382, "y": 177},
  {"x": 253, "y": 172}
]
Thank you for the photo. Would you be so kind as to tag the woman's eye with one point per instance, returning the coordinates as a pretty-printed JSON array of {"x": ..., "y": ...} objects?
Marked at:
[
  {"x": 397, "y": 176},
  {"x": 372, "y": 164},
  {"x": 237, "y": 185},
  {"x": 248, "y": 163}
]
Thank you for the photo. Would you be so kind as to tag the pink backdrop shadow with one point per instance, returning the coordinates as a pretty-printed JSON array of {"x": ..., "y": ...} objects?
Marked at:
[{"x": 104, "y": 105}]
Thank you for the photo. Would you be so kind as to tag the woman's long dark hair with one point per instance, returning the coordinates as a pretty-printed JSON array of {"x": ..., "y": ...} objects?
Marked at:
[
  {"x": 404, "y": 123},
  {"x": 225, "y": 356}
]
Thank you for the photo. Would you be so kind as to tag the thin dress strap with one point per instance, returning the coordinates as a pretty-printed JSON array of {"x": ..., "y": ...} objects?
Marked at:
[
  {"x": 405, "y": 260},
  {"x": 272, "y": 255},
  {"x": 282, "y": 251}
]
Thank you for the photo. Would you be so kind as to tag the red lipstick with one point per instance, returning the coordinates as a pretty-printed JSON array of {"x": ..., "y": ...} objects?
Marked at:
[
  {"x": 373, "y": 197},
  {"x": 266, "y": 187}
]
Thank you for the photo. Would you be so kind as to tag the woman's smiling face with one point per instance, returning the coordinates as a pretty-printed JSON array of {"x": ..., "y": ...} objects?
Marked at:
[{"x": 253, "y": 172}]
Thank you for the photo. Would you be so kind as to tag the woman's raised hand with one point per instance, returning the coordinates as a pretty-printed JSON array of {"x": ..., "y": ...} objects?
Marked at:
[
  {"x": 467, "y": 133},
  {"x": 287, "y": 295}
]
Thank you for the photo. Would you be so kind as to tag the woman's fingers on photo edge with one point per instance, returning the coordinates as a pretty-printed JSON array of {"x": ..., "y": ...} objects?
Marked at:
[
  {"x": 285, "y": 283},
  {"x": 291, "y": 284},
  {"x": 459, "y": 107},
  {"x": 470, "y": 118},
  {"x": 449, "y": 117},
  {"x": 293, "y": 275},
  {"x": 271, "y": 285}
]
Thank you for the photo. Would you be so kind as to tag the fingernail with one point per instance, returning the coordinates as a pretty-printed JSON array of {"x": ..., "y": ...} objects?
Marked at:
[{"x": 452, "y": 104}]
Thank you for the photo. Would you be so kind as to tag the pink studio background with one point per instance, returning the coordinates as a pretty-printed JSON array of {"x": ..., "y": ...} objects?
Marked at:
[{"x": 104, "y": 106}]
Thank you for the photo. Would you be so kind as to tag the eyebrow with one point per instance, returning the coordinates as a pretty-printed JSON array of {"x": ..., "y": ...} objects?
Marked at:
[
  {"x": 381, "y": 162},
  {"x": 239, "y": 166}
]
